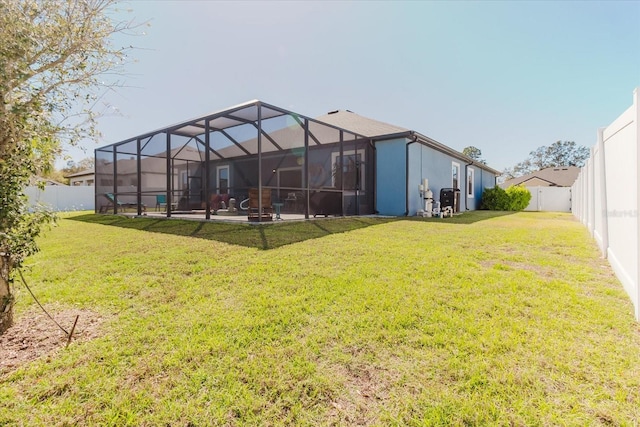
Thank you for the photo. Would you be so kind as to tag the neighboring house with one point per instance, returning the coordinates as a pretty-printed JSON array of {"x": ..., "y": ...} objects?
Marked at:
[
  {"x": 83, "y": 178},
  {"x": 340, "y": 163},
  {"x": 47, "y": 181},
  {"x": 550, "y": 188},
  {"x": 563, "y": 176}
]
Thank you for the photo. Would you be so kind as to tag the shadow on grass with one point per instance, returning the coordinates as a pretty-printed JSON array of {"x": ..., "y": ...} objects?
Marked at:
[
  {"x": 265, "y": 236},
  {"x": 468, "y": 217}
]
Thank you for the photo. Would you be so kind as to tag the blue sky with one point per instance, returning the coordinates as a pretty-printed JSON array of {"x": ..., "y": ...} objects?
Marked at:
[{"x": 506, "y": 77}]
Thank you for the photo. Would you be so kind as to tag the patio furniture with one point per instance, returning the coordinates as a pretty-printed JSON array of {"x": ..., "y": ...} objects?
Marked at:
[
  {"x": 254, "y": 214},
  {"x": 161, "y": 202},
  {"x": 294, "y": 202},
  {"x": 113, "y": 201},
  {"x": 278, "y": 208},
  {"x": 218, "y": 201},
  {"x": 325, "y": 203}
]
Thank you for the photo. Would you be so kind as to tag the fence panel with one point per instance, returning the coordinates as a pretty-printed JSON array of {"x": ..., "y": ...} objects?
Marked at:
[
  {"x": 606, "y": 196},
  {"x": 550, "y": 199},
  {"x": 62, "y": 198}
]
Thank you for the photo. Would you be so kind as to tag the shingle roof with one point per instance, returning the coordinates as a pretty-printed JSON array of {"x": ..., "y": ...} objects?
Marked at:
[
  {"x": 47, "y": 181},
  {"x": 373, "y": 129},
  {"x": 363, "y": 125},
  {"x": 563, "y": 176},
  {"x": 81, "y": 173}
]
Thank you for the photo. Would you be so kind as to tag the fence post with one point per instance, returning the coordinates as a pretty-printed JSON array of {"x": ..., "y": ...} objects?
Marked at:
[
  {"x": 603, "y": 194},
  {"x": 636, "y": 119},
  {"x": 591, "y": 193}
]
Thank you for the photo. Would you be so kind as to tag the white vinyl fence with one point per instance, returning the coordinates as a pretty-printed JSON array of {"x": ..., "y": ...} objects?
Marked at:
[
  {"x": 606, "y": 196},
  {"x": 549, "y": 199},
  {"x": 62, "y": 198}
]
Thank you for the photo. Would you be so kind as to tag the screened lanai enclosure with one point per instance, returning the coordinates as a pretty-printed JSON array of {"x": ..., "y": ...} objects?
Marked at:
[{"x": 211, "y": 164}]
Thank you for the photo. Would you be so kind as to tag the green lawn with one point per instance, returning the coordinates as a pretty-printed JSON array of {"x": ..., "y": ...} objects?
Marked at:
[{"x": 484, "y": 319}]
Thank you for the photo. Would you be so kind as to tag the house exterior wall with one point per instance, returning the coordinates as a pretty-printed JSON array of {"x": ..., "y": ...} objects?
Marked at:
[
  {"x": 391, "y": 177},
  {"x": 481, "y": 179},
  {"x": 436, "y": 167},
  {"x": 416, "y": 162},
  {"x": 84, "y": 180},
  {"x": 536, "y": 182},
  {"x": 424, "y": 162}
]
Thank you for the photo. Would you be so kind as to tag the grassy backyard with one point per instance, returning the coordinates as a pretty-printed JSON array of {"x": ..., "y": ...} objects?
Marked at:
[{"x": 484, "y": 319}]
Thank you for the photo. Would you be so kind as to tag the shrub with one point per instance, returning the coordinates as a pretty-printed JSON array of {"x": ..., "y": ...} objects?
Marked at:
[
  {"x": 515, "y": 198},
  {"x": 519, "y": 197},
  {"x": 494, "y": 199}
]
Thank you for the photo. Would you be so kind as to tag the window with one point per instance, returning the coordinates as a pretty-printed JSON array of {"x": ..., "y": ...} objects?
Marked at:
[
  {"x": 222, "y": 176},
  {"x": 352, "y": 170},
  {"x": 455, "y": 175},
  {"x": 470, "y": 182}
]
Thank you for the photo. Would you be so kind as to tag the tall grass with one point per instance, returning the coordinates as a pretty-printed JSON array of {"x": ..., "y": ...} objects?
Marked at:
[{"x": 484, "y": 320}]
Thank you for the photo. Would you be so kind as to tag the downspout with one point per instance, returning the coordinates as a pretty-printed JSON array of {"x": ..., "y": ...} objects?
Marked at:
[{"x": 414, "y": 138}]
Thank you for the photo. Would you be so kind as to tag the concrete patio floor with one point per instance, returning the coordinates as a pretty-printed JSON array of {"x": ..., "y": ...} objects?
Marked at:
[{"x": 240, "y": 218}]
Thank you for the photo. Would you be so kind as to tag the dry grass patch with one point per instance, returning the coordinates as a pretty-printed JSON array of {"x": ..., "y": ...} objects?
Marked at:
[{"x": 35, "y": 335}]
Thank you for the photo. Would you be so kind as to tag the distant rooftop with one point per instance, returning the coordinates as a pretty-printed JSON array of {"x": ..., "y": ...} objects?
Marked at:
[
  {"x": 81, "y": 173},
  {"x": 563, "y": 176}
]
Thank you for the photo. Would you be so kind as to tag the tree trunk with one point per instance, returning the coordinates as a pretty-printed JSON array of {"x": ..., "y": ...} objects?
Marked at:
[{"x": 6, "y": 298}]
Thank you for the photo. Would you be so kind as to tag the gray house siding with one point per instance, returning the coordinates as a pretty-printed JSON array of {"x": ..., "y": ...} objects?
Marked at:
[
  {"x": 391, "y": 177},
  {"x": 395, "y": 184}
]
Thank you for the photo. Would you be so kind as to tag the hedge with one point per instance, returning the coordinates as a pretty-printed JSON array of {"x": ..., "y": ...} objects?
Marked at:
[{"x": 514, "y": 198}]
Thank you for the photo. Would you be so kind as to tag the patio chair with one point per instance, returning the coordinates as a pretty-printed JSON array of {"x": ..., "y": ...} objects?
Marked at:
[
  {"x": 161, "y": 201},
  {"x": 253, "y": 212},
  {"x": 112, "y": 200},
  {"x": 218, "y": 201}
]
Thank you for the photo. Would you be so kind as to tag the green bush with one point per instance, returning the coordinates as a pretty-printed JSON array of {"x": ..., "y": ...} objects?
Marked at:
[
  {"x": 519, "y": 197},
  {"x": 494, "y": 199},
  {"x": 515, "y": 198}
]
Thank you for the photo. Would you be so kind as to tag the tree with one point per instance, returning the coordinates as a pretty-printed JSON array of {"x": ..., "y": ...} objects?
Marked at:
[
  {"x": 56, "y": 175},
  {"x": 558, "y": 154},
  {"x": 474, "y": 153},
  {"x": 54, "y": 56},
  {"x": 82, "y": 165}
]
